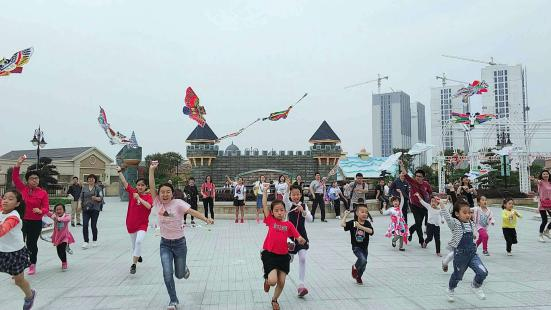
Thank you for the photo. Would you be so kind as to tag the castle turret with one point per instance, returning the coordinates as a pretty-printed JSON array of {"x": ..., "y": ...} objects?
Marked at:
[
  {"x": 203, "y": 149},
  {"x": 325, "y": 148}
]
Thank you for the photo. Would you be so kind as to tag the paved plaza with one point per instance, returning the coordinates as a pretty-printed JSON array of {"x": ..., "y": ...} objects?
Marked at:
[{"x": 226, "y": 272}]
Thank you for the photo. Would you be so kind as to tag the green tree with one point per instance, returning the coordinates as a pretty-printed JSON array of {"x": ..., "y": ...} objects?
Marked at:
[
  {"x": 406, "y": 158},
  {"x": 168, "y": 163}
]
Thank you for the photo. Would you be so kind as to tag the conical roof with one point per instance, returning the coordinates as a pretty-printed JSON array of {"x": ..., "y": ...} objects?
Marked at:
[
  {"x": 325, "y": 134},
  {"x": 202, "y": 134}
]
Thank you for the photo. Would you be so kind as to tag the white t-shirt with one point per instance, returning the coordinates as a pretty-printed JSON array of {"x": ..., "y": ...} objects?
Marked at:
[
  {"x": 281, "y": 188},
  {"x": 334, "y": 193},
  {"x": 434, "y": 217},
  {"x": 238, "y": 191},
  {"x": 386, "y": 190},
  {"x": 13, "y": 240}
]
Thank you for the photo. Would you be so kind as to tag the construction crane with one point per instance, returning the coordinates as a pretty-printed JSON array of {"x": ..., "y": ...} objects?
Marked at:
[
  {"x": 378, "y": 80},
  {"x": 491, "y": 62},
  {"x": 444, "y": 78}
]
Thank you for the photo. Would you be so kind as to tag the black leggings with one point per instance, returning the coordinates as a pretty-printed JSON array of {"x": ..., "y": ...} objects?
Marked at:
[
  {"x": 194, "y": 207},
  {"x": 433, "y": 231},
  {"x": 419, "y": 213},
  {"x": 543, "y": 214},
  {"x": 337, "y": 206},
  {"x": 31, "y": 233},
  {"x": 208, "y": 203},
  {"x": 61, "y": 251},
  {"x": 510, "y": 235},
  {"x": 86, "y": 217},
  {"x": 405, "y": 208},
  {"x": 318, "y": 200}
]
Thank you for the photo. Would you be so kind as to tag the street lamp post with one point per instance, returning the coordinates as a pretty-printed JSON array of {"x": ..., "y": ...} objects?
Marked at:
[{"x": 39, "y": 142}]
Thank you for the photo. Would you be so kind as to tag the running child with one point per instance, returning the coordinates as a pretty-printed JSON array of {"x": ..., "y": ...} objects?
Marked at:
[
  {"x": 463, "y": 235},
  {"x": 483, "y": 217},
  {"x": 137, "y": 216},
  {"x": 192, "y": 197},
  {"x": 275, "y": 254},
  {"x": 360, "y": 230},
  {"x": 298, "y": 215},
  {"x": 509, "y": 224},
  {"x": 173, "y": 248},
  {"x": 398, "y": 228},
  {"x": 61, "y": 236},
  {"x": 14, "y": 256},
  {"x": 433, "y": 222}
]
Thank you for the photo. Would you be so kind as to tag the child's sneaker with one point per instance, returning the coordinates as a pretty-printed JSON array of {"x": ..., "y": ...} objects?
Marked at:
[
  {"x": 438, "y": 254},
  {"x": 509, "y": 254},
  {"x": 266, "y": 286},
  {"x": 302, "y": 291},
  {"x": 486, "y": 253},
  {"x": 186, "y": 273},
  {"x": 140, "y": 260},
  {"x": 451, "y": 295},
  {"x": 444, "y": 267},
  {"x": 478, "y": 291},
  {"x": 393, "y": 243},
  {"x": 547, "y": 234},
  {"x": 402, "y": 249},
  {"x": 133, "y": 269},
  {"x": 95, "y": 244},
  {"x": 540, "y": 238},
  {"x": 68, "y": 249},
  {"x": 28, "y": 303},
  {"x": 354, "y": 272},
  {"x": 359, "y": 281},
  {"x": 85, "y": 245},
  {"x": 64, "y": 266},
  {"x": 172, "y": 306},
  {"x": 32, "y": 269},
  {"x": 338, "y": 217}
]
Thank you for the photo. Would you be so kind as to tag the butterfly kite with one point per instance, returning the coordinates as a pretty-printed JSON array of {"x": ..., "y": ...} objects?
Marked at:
[
  {"x": 475, "y": 88},
  {"x": 471, "y": 120},
  {"x": 16, "y": 62},
  {"x": 193, "y": 109},
  {"x": 275, "y": 116},
  {"x": 115, "y": 137}
]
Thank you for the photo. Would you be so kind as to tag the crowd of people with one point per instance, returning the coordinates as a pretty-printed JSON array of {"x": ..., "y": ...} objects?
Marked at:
[{"x": 466, "y": 213}]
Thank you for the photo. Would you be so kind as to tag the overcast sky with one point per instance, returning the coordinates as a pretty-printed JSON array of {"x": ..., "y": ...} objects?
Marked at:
[{"x": 246, "y": 59}]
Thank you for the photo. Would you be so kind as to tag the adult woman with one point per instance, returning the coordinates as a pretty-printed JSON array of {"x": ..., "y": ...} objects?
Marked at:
[
  {"x": 466, "y": 189},
  {"x": 36, "y": 206},
  {"x": 258, "y": 190},
  {"x": 91, "y": 199},
  {"x": 544, "y": 206},
  {"x": 173, "y": 248},
  {"x": 208, "y": 191},
  {"x": 281, "y": 187},
  {"x": 299, "y": 182}
]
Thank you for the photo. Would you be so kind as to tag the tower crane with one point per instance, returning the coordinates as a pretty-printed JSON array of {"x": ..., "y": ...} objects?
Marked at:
[
  {"x": 378, "y": 80},
  {"x": 444, "y": 78},
  {"x": 491, "y": 62}
]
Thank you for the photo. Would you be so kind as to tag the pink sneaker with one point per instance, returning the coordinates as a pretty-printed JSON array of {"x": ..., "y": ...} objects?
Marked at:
[
  {"x": 64, "y": 266},
  {"x": 257, "y": 220},
  {"x": 32, "y": 270},
  {"x": 302, "y": 291}
]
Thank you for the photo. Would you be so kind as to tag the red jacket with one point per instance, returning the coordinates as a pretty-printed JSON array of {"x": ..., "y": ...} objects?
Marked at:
[
  {"x": 33, "y": 198},
  {"x": 423, "y": 189}
]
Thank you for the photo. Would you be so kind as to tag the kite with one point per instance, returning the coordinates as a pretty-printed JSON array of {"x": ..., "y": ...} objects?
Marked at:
[
  {"x": 389, "y": 163},
  {"x": 471, "y": 120},
  {"x": 193, "y": 109},
  {"x": 275, "y": 116},
  {"x": 419, "y": 148},
  {"x": 475, "y": 88},
  {"x": 16, "y": 62},
  {"x": 115, "y": 137}
]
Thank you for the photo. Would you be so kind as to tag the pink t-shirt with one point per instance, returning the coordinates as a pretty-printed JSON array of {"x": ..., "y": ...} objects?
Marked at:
[
  {"x": 171, "y": 216},
  {"x": 544, "y": 192},
  {"x": 278, "y": 232}
]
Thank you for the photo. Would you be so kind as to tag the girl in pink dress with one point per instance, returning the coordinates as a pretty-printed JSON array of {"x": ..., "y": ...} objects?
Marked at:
[
  {"x": 398, "y": 228},
  {"x": 61, "y": 237}
]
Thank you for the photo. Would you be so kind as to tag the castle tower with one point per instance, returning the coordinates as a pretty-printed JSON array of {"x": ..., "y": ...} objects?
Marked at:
[
  {"x": 325, "y": 148},
  {"x": 202, "y": 150}
]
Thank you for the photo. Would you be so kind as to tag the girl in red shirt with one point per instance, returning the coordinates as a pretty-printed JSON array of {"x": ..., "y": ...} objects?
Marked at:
[
  {"x": 137, "y": 216},
  {"x": 208, "y": 191},
  {"x": 275, "y": 254}
]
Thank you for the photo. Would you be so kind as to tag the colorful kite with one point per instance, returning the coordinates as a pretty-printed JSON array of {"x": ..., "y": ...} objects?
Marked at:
[
  {"x": 275, "y": 116},
  {"x": 16, "y": 62},
  {"x": 471, "y": 120},
  {"x": 475, "y": 88},
  {"x": 115, "y": 137},
  {"x": 193, "y": 109}
]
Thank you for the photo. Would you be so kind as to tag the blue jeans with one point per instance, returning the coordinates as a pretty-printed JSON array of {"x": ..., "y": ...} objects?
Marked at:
[
  {"x": 259, "y": 201},
  {"x": 462, "y": 260},
  {"x": 173, "y": 258},
  {"x": 361, "y": 262}
]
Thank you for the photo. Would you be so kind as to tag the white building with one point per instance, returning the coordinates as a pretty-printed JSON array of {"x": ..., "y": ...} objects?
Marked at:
[
  {"x": 391, "y": 122},
  {"x": 418, "y": 130},
  {"x": 506, "y": 97},
  {"x": 443, "y": 134}
]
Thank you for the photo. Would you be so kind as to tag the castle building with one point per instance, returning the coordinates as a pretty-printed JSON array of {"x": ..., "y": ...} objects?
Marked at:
[{"x": 207, "y": 159}]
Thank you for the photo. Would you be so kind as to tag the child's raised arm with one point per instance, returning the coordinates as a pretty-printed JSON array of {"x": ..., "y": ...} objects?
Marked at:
[
  {"x": 343, "y": 220},
  {"x": 265, "y": 200},
  {"x": 152, "y": 168},
  {"x": 447, "y": 217}
]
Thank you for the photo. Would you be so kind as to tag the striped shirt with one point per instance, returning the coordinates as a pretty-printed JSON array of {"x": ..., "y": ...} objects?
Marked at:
[{"x": 455, "y": 226}]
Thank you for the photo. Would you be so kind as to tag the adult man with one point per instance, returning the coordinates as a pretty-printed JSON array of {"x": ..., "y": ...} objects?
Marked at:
[
  {"x": 317, "y": 190},
  {"x": 380, "y": 195},
  {"x": 401, "y": 184},
  {"x": 356, "y": 190},
  {"x": 74, "y": 190},
  {"x": 417, "y": 185}
]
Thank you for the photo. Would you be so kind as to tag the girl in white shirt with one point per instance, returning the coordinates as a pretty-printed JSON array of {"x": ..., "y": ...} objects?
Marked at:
[
  {"x": 239, "y": 193},
  {"x": 434, "y": 219},
  {"x": 281, "y": 187}
]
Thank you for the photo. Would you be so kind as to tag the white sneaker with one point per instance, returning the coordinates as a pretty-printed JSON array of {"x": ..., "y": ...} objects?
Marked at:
[
  {"x": 478, "y": 291},
  {"x": 451, "y": 295},
  {"x": 547, "y": 234},
  {"x": 338, "y": 217},
  {"x": 186, "y": 273},
  {"x": 85, "y": 245},
  {"x": 540, "y": 238},
  {"x": 172, "y": 306},
  {"x": 509, "y": 254},
  {"x": 95, "y": 244}
]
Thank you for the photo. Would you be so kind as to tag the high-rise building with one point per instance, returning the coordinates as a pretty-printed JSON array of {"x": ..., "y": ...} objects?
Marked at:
[
  {"x": 391, "y": 122},
  {"x": 444, "y": 134},
  {"x": 506, "y": 98},
  {"x": 418, "y": 130}
]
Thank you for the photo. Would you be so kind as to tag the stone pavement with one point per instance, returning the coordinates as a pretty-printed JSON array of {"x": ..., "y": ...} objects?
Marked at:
[{"x": 226, "y": 272}]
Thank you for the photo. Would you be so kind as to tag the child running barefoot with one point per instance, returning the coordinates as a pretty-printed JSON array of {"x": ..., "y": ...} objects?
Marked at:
[
  {"x": 433, "y": 222},
  {"x": 14, "y": 256},
  {"x": 173, "y": 248},
  {"x": 398, "y": 228},
  {"x": 483, "y": 217},
  {"x": 275, "y": 255},
  {"x": 360, "y": 230},
  {"x": 137, "y": 216},
  {"x": 509, "y": 224},
  {"x": 61, "y": 237},
  {"x": 463, "y": 230},
  {"x": 298, "y": 215}
]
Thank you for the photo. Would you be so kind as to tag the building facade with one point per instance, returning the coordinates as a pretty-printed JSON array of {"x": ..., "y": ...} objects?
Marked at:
[
  {"x": 444, "y": 134},
  {"x": 207, "y": 159},
  {"x": 418, "y": 130},
  {"x": 391, "y": 122}
]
